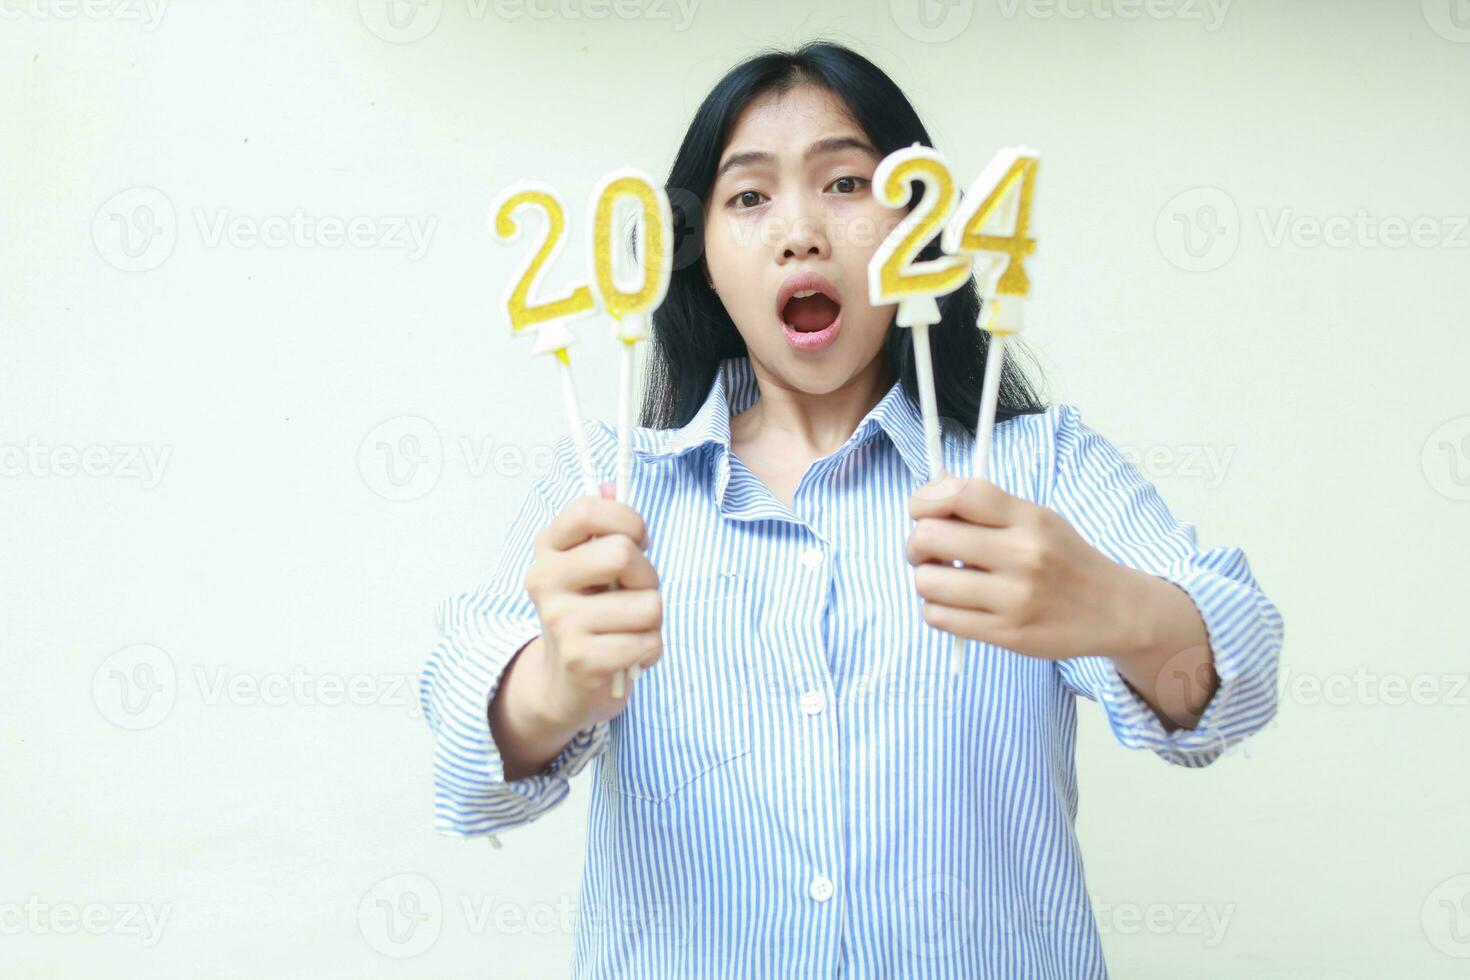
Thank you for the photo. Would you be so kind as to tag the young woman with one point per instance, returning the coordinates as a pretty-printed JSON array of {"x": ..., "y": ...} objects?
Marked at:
[{"x": 798, "y": 785}]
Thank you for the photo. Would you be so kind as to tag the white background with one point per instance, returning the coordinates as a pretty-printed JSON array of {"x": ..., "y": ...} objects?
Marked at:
[{"x": 324, "y": 421}]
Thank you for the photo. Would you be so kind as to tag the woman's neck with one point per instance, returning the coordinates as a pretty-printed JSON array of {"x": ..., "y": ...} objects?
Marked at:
[{"x": 807, "y": 425}]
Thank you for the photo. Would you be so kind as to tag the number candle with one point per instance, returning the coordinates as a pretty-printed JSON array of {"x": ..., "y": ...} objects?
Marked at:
[
  {"x": 1000, "y": 197},
  {"x": 896, "y": 275},
  {"x": 547, "y": 320},
  {"x": 630, "y": 300}
]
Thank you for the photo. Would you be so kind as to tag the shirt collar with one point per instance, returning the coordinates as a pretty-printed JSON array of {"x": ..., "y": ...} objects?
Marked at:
[{"x": 735, "y": 389}]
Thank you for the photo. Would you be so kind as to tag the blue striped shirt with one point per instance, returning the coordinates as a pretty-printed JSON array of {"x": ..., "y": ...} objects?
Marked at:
[{"x": 800, "y": 787}]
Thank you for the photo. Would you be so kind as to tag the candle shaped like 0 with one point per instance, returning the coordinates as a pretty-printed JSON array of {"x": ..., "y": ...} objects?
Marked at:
[
  {"x": 896, "y": 275},
  {"x": 992, "y": 227},
  {"x": 630, "y": 299}
]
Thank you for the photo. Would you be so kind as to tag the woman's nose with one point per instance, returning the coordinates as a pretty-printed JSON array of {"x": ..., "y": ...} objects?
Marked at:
[{"x": 804, "y": 236}]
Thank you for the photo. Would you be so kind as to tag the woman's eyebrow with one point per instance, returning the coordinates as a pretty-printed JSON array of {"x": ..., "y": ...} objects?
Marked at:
[{"x": 832, "y": 144}]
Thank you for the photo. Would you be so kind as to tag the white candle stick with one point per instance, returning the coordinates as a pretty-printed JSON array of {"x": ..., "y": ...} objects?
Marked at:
[
  {"x": 895, "y": 274},
  {"x": 992, "y": 227},
  {"x": 630, "y": 300},
  {"x": 590, "y": 485},
  {"x": 546, "y": 320}
]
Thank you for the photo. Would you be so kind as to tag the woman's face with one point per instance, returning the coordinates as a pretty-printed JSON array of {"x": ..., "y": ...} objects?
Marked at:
[{"x": 792, "y": 212}]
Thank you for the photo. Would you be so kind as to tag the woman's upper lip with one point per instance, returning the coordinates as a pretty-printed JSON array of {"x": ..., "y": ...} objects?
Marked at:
[{"x": 801, "y": 282}]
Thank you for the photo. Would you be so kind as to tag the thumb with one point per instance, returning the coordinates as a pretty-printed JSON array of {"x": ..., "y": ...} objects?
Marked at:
[{"x": 608, "y": 489}]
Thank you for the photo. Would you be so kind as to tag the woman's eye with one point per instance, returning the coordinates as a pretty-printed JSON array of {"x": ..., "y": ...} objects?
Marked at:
[
  {"x": 746, "y": 199},
  {"x": 848, "y": 185}
]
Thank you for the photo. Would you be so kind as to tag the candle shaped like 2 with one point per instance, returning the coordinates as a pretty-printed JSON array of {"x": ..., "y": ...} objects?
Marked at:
[
  {"x": 993, "y": 227},
  {"x": 897, "y": 275},
  {"x": 546, "y": 320},
  {"x": 630, "y": 299}
]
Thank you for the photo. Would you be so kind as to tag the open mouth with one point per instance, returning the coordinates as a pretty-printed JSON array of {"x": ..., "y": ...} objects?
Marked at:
[{"x": 808, "y": 311}]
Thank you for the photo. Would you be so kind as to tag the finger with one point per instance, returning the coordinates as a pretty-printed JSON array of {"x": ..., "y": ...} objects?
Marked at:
[
  {"x": 601, "y": 562},
  {"x": 623, "y": 611},
  {"x": 963, "y": 588},
  {"x": 612, "y": 652},
  {"x": 949, "y": 540},
  {"x": 977, "y": 501},
  {"x": 587, "y": 517},
  {"x": 968, "y": 623}
]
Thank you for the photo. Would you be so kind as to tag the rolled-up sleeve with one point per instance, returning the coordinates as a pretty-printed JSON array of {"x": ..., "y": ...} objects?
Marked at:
[
  {"x": 480, "y": 632},
  {"x": 1120, "y": 513}
]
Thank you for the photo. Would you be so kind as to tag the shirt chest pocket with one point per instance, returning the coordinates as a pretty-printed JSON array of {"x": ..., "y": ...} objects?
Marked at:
[{"x": 683, "y": 721}]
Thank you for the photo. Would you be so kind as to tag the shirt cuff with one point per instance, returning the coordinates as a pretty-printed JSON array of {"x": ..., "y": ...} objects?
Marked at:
[
  {"x": 1245, "y": 635},
  {"x": 472, "y": 795}
]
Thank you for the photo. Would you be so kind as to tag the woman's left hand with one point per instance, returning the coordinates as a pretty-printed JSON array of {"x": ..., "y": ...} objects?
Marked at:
[{"x": 1030, "y": 582}]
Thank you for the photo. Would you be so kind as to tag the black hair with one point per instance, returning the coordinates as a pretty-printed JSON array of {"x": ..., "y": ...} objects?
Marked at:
[{"x": 692, "y": 332}]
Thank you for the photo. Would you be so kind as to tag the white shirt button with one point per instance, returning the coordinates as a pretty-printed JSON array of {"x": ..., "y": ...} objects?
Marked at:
[
  {"x": 812, "y": 702},
  {"x": 812, "y": 558},
  {"x": 821, "y": 888}
]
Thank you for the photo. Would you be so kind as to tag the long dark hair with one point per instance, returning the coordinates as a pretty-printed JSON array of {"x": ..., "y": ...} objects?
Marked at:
[{"x": 692, "y": 332}]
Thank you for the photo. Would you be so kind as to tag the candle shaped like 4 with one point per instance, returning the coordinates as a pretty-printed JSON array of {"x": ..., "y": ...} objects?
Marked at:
[
  {"x": 993, "y": 227},
  {"x": 897, "y": 275},
  {"x": 630, "y": 296}
]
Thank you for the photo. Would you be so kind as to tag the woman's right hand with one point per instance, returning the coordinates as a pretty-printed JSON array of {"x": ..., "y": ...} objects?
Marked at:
[{"x": 589, "y": 632}]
